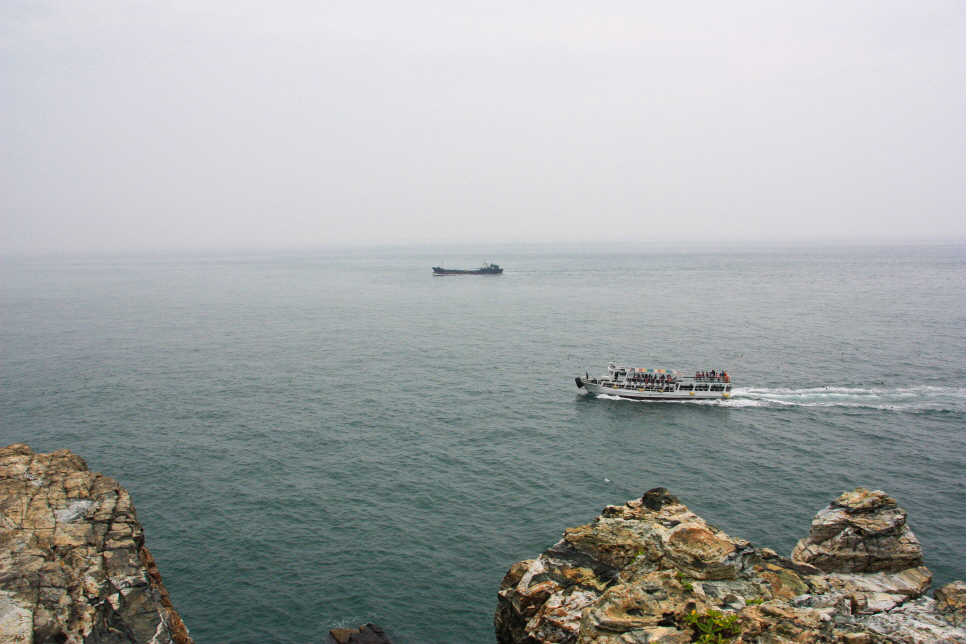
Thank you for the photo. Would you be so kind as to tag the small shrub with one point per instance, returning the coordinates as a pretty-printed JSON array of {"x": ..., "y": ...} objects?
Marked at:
[
  {"x": 712, "y": 627},
  {"x": 755, "y": 601},
  {"x": 684, "y": 582}
]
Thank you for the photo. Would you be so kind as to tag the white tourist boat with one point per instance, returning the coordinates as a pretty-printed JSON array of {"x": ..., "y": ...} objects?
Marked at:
[{"x": 657, "y": 384}]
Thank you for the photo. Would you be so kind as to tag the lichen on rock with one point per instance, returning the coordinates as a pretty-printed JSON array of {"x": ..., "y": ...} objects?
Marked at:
[
  {"x": 652, "y": 571},
  {"x": 73, "y": 566},
  {"x": 951, "y": 602}
]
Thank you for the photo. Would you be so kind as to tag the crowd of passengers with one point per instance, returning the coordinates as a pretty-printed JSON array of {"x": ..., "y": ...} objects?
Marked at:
[
  {"x": 712, "y": 376},
  {"x": 662, "y": 379},
  {"x": 649, "y": 379}
]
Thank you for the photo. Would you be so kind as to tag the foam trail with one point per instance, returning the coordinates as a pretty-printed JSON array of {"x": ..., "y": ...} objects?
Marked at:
[
  {"x": 922, "y": 398},
  {"x": 907, "y": 399}
]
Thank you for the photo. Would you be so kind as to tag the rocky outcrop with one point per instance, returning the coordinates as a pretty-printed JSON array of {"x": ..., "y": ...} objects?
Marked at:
[
  {"x": 367, "y": 634},
  {"x": 861, "y": 531},
  {"x": 651, "y": 571},
  {"x": 73, "y": 566}
]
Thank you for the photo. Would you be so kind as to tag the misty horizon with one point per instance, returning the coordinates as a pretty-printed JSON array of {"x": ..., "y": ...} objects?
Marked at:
[{"x": 192, "y": 126}]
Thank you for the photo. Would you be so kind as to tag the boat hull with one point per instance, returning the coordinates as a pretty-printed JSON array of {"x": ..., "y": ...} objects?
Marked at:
[
  {"x": 445, "y": 271},
  {"x": 642, "y": 393}
]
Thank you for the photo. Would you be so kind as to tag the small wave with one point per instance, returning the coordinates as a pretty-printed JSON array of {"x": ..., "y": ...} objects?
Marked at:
[
  {"x": 332, "y": 622},
  {"x": 914, "y": 399}
]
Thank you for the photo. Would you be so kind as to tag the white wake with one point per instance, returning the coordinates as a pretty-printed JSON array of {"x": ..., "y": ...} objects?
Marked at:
[
  {"x": 921, "y": 398},
  {"x": 909, "y": 399}
]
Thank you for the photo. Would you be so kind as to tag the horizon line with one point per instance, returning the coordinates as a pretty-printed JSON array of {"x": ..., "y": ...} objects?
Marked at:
[{"x": 678, "y": 244}]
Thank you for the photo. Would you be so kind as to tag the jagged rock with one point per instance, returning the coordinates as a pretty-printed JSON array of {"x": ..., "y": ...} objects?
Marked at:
[
  {"x": 368, "y": 634},
  {"x": 861, "y": 531},
  {"x": 915, "y": 622},
  {"x": 651, "y": 607},
  {"x": 627, "y": 544},
  {"x": 643, "y": 572},
  {"x": 775, "y": 623},
  {"x": 73, "y": 566},
  {"x": 657, "y": 498},
  {"x": 877, "y": 592},
  {"x": 951, "y": 602}
]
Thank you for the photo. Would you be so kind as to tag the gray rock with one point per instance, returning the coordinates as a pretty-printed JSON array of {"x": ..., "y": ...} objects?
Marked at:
[{"x": 915, "y": 622}]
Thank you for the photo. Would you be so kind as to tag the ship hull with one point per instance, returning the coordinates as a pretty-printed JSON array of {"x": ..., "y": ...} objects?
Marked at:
[
  {"x": 646, "y": 393},
  {"x": 445, "y": 271}
]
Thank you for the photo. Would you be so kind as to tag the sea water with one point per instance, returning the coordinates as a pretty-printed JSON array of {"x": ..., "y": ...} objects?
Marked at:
[{"x": 325, "y": 438}]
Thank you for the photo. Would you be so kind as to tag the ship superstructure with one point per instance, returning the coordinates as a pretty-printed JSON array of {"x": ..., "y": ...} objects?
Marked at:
[{"x": 640, "y": 383}]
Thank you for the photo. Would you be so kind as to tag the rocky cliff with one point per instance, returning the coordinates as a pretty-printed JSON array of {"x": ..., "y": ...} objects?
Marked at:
[
  {"x": 651, "y": 571},
  {"x": 73, "y": 566}
]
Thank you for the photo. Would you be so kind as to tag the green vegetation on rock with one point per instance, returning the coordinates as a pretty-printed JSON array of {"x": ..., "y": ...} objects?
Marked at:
[{"x": 712, "y": 627}]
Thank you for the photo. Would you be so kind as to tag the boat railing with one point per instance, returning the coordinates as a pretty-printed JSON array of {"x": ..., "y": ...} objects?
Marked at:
[
  {"x": 657, "y": 384},
  {"x": 640, "y": 385}
]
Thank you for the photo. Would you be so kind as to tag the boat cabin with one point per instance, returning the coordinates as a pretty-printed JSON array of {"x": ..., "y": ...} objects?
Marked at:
[{"x": 664, "y": 379}]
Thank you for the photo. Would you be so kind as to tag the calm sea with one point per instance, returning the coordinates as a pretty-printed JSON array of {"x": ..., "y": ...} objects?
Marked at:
[{"x": 318, "y": 439}]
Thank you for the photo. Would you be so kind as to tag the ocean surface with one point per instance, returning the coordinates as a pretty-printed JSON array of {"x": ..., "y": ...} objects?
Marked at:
[{"x": 325, "y": 438}]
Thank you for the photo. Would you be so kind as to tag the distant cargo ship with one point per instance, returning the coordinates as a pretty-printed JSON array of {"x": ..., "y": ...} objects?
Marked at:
[{"x": 486, "y": 269}]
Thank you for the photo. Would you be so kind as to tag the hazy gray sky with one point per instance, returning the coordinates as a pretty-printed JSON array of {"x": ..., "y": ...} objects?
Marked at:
[{"x": 177, "y": 124}]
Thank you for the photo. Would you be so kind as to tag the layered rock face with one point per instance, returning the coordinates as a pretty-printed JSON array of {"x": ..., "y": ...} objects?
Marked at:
[
  {"x": 73, "y": 566},
  {"x": 651, "y": 571},
  {"x": 861, "y": 531}
]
